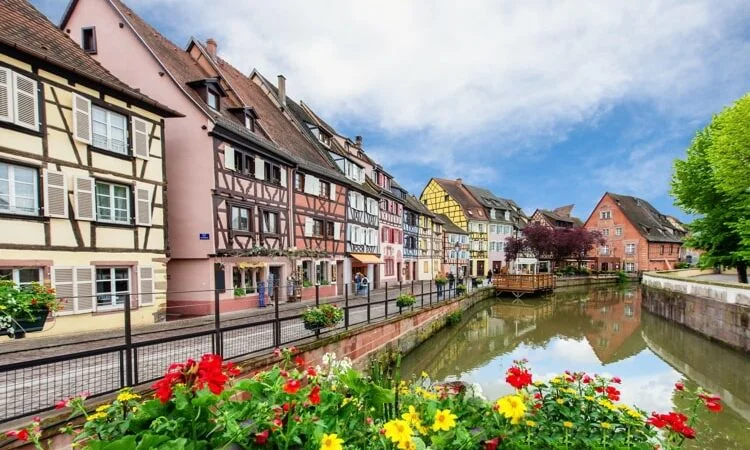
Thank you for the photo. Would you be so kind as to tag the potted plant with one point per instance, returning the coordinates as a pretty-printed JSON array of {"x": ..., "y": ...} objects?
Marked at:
[
  {"x": 441, "y": 279},
  {"x": 460, "y": 289},
  {"x": 323, "y": 316},
  {"x": 25, "y": 309},
  {"x": 239, "y": 292},
  {"x": 405, "y": 301}
]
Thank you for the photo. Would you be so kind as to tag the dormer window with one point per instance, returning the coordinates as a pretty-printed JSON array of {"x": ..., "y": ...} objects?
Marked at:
[
  {"x": 213, "y": 100},
  {"x": 249, "y": 122},
  {"x": 210, "y": 91},
  {"x": 247, "y": 116},
  {"x": 324, "y": 139}
]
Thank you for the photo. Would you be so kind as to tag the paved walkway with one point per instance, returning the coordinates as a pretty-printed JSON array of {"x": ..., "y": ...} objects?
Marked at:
[{"x": 726, "y": 277}]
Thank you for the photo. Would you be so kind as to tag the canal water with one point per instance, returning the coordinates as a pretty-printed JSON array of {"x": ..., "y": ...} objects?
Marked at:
[{"x": 598, "y": 330}]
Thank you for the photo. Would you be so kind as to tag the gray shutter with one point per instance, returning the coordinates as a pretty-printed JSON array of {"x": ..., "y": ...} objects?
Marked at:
[
  {"x": 140, "y": 138},
  {"x": 260, "y": 169},
  {"x": 332, "y": 193},
  {"x": 85, "y": 292},
  {"x": 85, "y": 201},
  {"x": 55, "y": 194},
  {"x": 229, "y": 158},
  {"x": 308, "y": 226},
  {"x": 62, "y": 281},
  {"x": 82, "y": 118},
  {"x": 146, "y": 285},
  {"x": 6, "y": 95},
  {"x": 25, "y": 102},
  {"x": 337, "y": 231},
  {"x": 143, "y": 204}
]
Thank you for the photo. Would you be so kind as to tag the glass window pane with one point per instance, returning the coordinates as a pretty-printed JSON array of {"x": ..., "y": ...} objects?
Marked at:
[
  {"x": 121, "y": 273},
  {"x": 26, "y": 276},
  {"x": 6, "y": 274},
  {"x": 121, "y": 286}
]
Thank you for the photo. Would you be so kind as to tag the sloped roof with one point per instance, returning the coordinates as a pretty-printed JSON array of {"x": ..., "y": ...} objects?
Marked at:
[
  {"x": 414, "y": 204},
  {"x": 24, "y": 28},
  {"x": 449, "y": 226},
  {"x": 487, "y": 198},
  {"x": 652, "y": 224},
  {"x": 459, "y": 193},
  {"x": 562, "y": 214}
]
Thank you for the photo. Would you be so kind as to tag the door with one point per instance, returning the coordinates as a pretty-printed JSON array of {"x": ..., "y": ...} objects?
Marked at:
[
  {"x": 274, "y": 281},
  {"x": 496, "y": 266},
  {"x": 605, "y": 267},
  {"x": 480, "y": 269}
]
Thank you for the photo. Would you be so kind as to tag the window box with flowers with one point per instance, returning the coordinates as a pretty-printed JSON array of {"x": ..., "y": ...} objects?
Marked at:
[
  {"x": 323, "y": 316},
  {"x": 24, "y": 309},
  {"x": 405, "y": 301}
]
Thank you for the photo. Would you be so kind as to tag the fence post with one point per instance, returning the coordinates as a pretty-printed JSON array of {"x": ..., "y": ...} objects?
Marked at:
[
  {"x": 276, "y": 325},
  {"x": 128, "y": 344},
  {"x": 386, "y": 300},
  {"x": 430, "y": 292},
  {"x": 368, "y": 302},
  {"x": 421, "y": 292},
  {"x": 346, "y": 306},
  {"x": 317, "y": 295}
]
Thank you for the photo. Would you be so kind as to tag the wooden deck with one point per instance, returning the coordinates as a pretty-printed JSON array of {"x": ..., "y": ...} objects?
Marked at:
[{"x": 519, "y": 285}]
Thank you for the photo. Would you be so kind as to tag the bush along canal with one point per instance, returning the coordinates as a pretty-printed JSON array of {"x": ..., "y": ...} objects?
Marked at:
[{"x": 599, "y": 330}]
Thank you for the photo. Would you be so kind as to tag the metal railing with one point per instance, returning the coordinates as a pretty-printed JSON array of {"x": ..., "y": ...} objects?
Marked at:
[{"x": 29, "y": 387}]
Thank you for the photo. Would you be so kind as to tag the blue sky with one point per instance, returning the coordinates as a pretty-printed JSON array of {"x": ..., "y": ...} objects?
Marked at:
[{"x": 544, "y": 102}]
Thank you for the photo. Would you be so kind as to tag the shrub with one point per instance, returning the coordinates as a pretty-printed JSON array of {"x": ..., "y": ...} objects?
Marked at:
[
  {"x": 460, "y": 289},
  {"x": 323, "y": 316},
  {"x": 441, "y": 279},
  {"x": 239, "y": 292},
  {"x": 622, "y": 277},
  {"x": 405, "y": 300},
  {"x": 307, "y": 283},
  {"x": 454, "y": 317},
  {"x": 324, "y": 282},
  {"x": 293, "y": 405},
  {"x": 682, "y": 265}
]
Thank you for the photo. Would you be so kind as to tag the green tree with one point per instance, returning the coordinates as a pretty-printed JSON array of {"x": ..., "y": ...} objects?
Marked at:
[{"x": 713, "y": 181}]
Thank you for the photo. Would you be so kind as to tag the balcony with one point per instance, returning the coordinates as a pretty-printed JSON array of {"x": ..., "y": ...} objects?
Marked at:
[
  {"x": 361, "y": 248},
  {"x": 362, "y": 217}
]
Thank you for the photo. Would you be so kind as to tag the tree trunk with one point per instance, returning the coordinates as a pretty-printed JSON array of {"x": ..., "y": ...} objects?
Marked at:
[{"x": 742, "y": 272}]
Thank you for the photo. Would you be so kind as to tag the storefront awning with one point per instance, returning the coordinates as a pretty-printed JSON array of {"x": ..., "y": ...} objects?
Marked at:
[{"x": 364, "y": 258}]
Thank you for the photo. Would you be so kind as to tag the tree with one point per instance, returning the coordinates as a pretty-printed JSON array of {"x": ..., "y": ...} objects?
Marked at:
[
  {"x": 540, "y": 240},
  {"x": 514, "y": 246},
  {"x": 583, "y": 241},
  {"x": 558, "y": 244},
  {"x": 714, "y": 182}
]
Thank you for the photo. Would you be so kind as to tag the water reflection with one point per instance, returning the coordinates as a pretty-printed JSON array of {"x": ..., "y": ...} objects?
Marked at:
[{"x": 600, "y": 331}]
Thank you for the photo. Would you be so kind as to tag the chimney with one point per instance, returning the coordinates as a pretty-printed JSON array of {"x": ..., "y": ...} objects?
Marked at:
[
  {"x": 282, "y": 91},
  {"x": 459, "y": 180},
  {"x": 358, "y": 141},
  {"x": 211, "y": 48}
]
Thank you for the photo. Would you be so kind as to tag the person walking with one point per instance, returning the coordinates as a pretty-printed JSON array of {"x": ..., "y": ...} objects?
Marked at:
[
  {"x": 489, "y": 277},
  {"x": 357, "y": 283},
  {"x": 364, "y": 283}
]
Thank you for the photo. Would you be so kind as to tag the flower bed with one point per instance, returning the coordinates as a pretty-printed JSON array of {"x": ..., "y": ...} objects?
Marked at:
[{"x": 197, "y": 405}]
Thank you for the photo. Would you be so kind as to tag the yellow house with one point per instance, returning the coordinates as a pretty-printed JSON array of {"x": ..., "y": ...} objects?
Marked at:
[
  {"x": 82, "y": 178},
  {"x": 452, "y": 198}
]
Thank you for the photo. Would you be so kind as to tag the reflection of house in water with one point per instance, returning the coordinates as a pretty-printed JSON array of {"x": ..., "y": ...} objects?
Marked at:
[{"x": 615, "y": 318}]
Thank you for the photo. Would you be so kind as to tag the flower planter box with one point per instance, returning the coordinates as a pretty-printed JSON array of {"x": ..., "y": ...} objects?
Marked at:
[
  {"x": 28, "y": 324},
  {"x": 313, "y": 327}
]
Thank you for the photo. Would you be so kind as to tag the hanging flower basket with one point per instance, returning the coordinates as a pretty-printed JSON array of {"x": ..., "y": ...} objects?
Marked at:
[
  {"x": 323, "y": 316},
  {"x": 441, "y": 280},
  {"x": 25, "y": 309},
  {"x": 405, "y": 300}
]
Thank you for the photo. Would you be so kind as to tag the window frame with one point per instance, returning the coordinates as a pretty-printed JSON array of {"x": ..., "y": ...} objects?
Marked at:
[
  {"x": 318, "y": 228},
  {"x": 605, "y": 215},
  {"x": 240, "y": 208},
  {"x": 112, "y": 208},
  {"x": 626, "y": 249},
  {"x": 330, "y": 230},
  {"x": 618, "y": 231},
  {"x": 12, "y": 187},
  {"x": 277, "y": 222},
  {"x": 92, "y": 29},
  {"x": 16, "y": 278},
  {"x": 113, "y": 292},
  {"x": 125, "y": 130},
  {"x": 299, "y": 182},
  {"x": 324, "y": 190},
  {"x": 269, "y": 170},
  {"x": 212, "y": 92}
]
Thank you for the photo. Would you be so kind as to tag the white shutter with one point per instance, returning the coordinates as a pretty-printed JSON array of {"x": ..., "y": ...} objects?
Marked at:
[
  {"x": 82, "y": 118},
  {"x": 332, "y": 193},
  {"x": 260, "y": 169},
  {"x": 360, "y": 202},
  {"x": 308, "y": 226},
  {"x": 229, "y": 158},
  {"x": 312, "y": 185},
  {"x": 26, "y": 112},
  {"x": 283, "y": 176},
  {"x": 85, "y": 289},
  {"x": 143, "y": 204},
  {"x": 62, "y": 281},
  {"x": 55, "y": 194},
  {"x": 6, "y": 95},
  {"x": 337, "y": 231},
  {"x": 83, "y": 191},
  {"x": 146, "y": 285},
  {"x": 140, "y": 138},
  {"x": 353, "y": 199}
]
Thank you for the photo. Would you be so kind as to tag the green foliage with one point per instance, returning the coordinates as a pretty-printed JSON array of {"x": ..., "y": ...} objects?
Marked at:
[
  {"x": 323, "y": 316},
  {"x": 239, "y": 292},
  {"x": 441, "y": 279},
  {"x": 24, "y": 303},
  {"x": 460, "y": 289},
  {"x": 405, "y": 300},
  {"x": 454, "y": 317},
  {"x": 307, "y": 283},
  {"x": 622, "y": 277},
  {"x": 682, "y": 265},
  {"x": 324, "y": 282}
]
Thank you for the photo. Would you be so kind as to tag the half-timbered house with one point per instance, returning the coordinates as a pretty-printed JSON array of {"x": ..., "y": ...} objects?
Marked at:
[
  {"x": 82, "y": 178},
  {"x": 230, "y": 191},
  {"x": 412, "y": 245},
  {"x": 391, "y": 226}
]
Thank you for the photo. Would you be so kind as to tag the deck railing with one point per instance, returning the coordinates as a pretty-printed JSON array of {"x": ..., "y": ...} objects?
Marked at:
[{"x": 524, "y": 283}]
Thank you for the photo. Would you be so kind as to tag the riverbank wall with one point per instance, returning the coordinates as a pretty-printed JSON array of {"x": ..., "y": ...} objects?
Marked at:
[
  {"x": 590, "y": 280},
  {"x": 716, "y": 310}
]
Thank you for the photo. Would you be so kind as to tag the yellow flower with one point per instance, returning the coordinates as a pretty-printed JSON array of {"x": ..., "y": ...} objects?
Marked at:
[
  {"x": 606, "y": 425},
  {"x": 331, "y": 442},
  {"x": 444, "y": 420},
  {"x": 407, "y": 445},
  {"x": 397, "y": 430},
  {"x": 2, "y": 307},
  {"x": 560, "y": 401},
  {"x": 634, "y": 414},
  {"x": 589, "y": 398},
  {"x": 96, "y": 416},
  {"x": 103, "y": 407},
  {"x": 127, "y": 396},
  {"x": 411, "y": 417},
  {"x": 512, "y": 407},
  {"x": 346, "y": 401},
  {"x": 569, "y": 391},
  {"x": 539, "y": 383},
  {"x": 530, "y": 423},
  {"x": 567, "y": 424},
  {"x": 607, "y": 404},
  {"x": 425, "y": 374}
]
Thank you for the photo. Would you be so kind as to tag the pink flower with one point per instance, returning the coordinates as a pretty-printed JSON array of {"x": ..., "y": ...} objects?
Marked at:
[{"x": 679, "y": 386}]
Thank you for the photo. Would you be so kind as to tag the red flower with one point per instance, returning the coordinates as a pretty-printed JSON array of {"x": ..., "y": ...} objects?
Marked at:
[
  {"x": 314, "y": 396},
  {"x": 61, "y": 404},
  {"x": 292, "y": 386},
  {"x": 616, "y": 380},
  {"x": 537, "y": 396},
  {"x": 311, "y": 372},
  {"x": 492, "y": 444},
  {"x": 679, "y": 386},
  {"x": 276, "y": 352},
  {"x": 713, "y": 406},
  {"x": 21, "y": 435},
  {"x": 518, "y": 377},
  {"x": 586, "y": 379},
  {"x": 675, "y": 422},
  {"x": 709, "y": 397},
  {"x": 262, "y": 437},
  {"x": 613, "y": 393},
  {"x": 688, "y": 432},
  {"x": 299, "y": 361}
]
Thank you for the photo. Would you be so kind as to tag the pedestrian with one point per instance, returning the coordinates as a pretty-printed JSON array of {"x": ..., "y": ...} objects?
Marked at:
[
  {"x": 451, "y": 280},
  {"x": 357, "y": 282},
  {"x": 489, "y": 277},
  {"x": 364, "y": 283}
]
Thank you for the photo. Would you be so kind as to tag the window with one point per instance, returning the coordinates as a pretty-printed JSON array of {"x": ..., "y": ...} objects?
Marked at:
[
  {"x": 605, "y": 231},
  {"x": 618, "y": 231},
  {"x": 447, "y": 197},
  {"x": 605, "y": 215},
  {"x": 112, "y": 286},
  {"x": 270, "y": 222},
  {"x": 240, "y": 219},
  {"x": 629, "y": 267},
  {"x": 22, "y": 276},
  {"x": 317, "y": 227},
  {"x": 212, "y": 98},
  {"x": 112, "y": 203},
  {"x": 299, "y": 182},
  {"x": 324, "y": 139},
  {"x": 18, "y": 102},
  {"x": 109, "y": 130},
  {"x": 389, "y": 268},
  {"x": 249, "y": 122},
  {"x": 604, "y": 250},
  {"x": 244, "y": 163},
  {"x": 507, "y": 215},
  {"x": 325, "y": 189},
  {"x": 670, "y": 249},
  {"x": 426, "y": 267},
  {"x": 18, "y": 189},
  {"x": 272, "y": 173},
  {"x": 330, "y": 229},
  {"x": 661, "y": 251},
  {"x": 88, "y": 39},
  {"x": 630, "y": 249}
]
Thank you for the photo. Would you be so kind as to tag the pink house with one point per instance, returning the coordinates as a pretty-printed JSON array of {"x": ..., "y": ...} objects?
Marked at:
[{"x": 229, "y": 196}]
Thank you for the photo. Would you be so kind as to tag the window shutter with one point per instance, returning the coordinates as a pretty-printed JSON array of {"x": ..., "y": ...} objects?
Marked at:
[
  {"x": 146, "y": 285},
  {"x": 332, "y": 193},
  {"x": 62, "y": 281},
  {"x": 25, "y": 101},
  {"x": 85, "y": 289},
  {"x": 260, "y": 169},
  {"x": 82, "y": 118},
  {"x": 6, "y": 103},
  {"x": 140, "y": 138},
  {"x": 85, "y": 201},
  {"x": 353, "y": 199},
  {"x": 143, "y": 204},
  {"x": 55, "y": 194},
  {"x": 360, "y": 202},
  {"x": 229, "y": 158},
  {"x": 337, "y": 231},
  {"x": 283, "y": 176},
  {"x": 308, "y": 226}
]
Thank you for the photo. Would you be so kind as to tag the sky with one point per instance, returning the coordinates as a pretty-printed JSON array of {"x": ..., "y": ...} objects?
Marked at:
[{"x": 545, "y": 102}]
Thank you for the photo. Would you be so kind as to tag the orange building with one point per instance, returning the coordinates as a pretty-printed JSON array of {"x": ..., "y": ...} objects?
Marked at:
[{"x": 637, "y": 236}]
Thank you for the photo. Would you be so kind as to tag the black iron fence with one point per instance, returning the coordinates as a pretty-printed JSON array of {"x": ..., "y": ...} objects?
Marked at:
[{"x": 32, "y": 386}]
